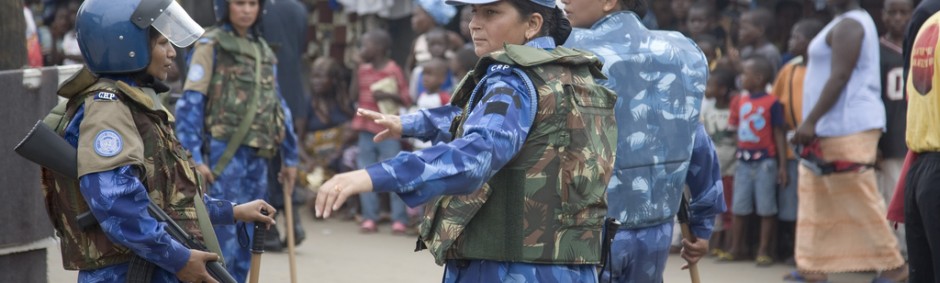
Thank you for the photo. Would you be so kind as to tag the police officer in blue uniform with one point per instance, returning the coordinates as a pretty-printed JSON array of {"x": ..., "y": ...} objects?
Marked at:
[
  {"x": 659, "y": 77},
  {"x": 233, "y": 118},
  {"x": 111, "y": 121}
]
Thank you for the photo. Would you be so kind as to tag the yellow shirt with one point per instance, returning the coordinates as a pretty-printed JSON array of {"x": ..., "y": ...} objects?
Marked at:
[{"x": 923, "y": 85}]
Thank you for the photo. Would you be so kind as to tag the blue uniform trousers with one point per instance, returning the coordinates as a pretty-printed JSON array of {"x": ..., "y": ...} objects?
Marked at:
[
  {"x": 244, "y": 179},
  {"x": 639, "y": 255},
  {"x": 517, "y": 272}
]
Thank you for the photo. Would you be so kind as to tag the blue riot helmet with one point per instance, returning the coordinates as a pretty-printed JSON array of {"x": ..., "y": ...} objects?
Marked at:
[{"x": 114, "y": 35}]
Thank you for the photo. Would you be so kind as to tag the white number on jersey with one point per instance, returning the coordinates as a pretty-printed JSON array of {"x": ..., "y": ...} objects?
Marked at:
[{"x": 894, "y": 89}]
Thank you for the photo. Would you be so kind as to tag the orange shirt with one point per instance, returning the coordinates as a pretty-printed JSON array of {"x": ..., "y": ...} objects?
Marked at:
[{"x": 788, "y": 87}]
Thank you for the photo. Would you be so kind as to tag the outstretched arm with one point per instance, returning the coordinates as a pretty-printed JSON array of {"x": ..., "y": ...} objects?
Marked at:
[{"x": 494, "y": 132}]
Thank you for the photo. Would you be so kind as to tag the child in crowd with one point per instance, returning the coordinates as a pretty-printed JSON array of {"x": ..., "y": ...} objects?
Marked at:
[
  {"x": 465, "y": 60},
  {"x": 438, "y": 47},
  {"x": 730, "y": 20},
  {"x": 659, "y": 15},
  {"x": 710, "y": 47},
  {"x": 892, "y": 146},
  {"x": 720, "y": 93},
  {"x": 758, "y": 119},
  {"x": 703, "y": 20},
  {"x": 433, "y": 74},
  {"x": 377, "y": 69},
  {"x": 680, "y": 10},
  {"x": 429, "y": 14},
  {"x": 753, "y": 37},
  {"x": 788, "y": 88}
]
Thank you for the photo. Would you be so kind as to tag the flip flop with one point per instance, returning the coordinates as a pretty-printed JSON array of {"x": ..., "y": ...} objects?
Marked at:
[
  {"x": 765, "y": 261},
  {"x": 795, "y": 276},
  {"x": 726, "y": 257}
]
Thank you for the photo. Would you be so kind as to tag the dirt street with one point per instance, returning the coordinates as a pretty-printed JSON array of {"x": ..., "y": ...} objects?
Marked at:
[{"x": 335, "y": 252}]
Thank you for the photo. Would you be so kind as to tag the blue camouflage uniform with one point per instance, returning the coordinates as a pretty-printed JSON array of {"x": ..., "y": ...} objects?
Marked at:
[
  {"x": 460, "y": 166},
  {"x": 660, "y": 79},
  {"x": 119, "y": 200},
  {"x": 244, "y": 178}
]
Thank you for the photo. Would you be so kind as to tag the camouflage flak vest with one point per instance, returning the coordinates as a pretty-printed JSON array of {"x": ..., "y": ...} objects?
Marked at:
[
  {"x": 547, "y": 205},
  {"x": 233, "y": 82},
  {"x": 166, "y": 172}
]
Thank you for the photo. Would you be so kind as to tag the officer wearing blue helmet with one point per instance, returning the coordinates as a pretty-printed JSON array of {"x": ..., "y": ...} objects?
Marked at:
[
  {"x": 233, "y": 118},
  {"x": 515, "y": 182},
  {"x": 127, "y": 153}
]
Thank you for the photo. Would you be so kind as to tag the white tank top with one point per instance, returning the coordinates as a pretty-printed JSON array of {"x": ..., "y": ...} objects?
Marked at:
[{"x": 859, "y": 107}]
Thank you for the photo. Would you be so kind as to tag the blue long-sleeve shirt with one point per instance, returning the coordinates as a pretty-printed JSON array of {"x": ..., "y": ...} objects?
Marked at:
[
  {"x": 190, "y": 126},
  {"x": 460, "y": 166},
  {"x": 118, "y": 199},
  {"x": 705, "y": 185},
  {"x": 660, "y": 79}
]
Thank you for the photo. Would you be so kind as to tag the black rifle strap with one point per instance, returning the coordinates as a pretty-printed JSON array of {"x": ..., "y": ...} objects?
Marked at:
[{"x": 139, "y": 270}]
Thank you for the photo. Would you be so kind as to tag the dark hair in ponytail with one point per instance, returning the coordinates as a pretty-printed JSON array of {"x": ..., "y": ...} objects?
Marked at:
[{"x": 554, "y": 22}]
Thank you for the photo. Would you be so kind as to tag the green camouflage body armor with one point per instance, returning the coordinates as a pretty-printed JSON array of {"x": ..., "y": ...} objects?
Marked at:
[
  {"x": 232, "y": 84},
  {"x": 166, "y": 173},
  {"x": 548, "y": 204}
]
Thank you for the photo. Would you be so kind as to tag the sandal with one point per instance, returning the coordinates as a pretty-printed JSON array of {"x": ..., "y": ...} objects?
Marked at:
[
  {"x": 764, "y": 261},
  {"x": 726, "y": 257},
  {"x": 368, "y": 227},
  {"x": 795, "y": 276},
  {"x": 716, "y": 252}
]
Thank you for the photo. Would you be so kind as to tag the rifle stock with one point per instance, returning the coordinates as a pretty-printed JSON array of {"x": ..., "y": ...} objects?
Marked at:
[{"x": 46, "y": 148}]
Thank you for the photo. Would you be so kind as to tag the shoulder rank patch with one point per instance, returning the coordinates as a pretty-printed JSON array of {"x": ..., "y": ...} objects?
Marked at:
[
  {"x": 108, "y": 143},
  {"x": 105, "y": 96}
]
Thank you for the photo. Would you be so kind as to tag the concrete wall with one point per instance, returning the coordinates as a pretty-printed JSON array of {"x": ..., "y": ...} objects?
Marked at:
[{"x": 26, "y": 230}]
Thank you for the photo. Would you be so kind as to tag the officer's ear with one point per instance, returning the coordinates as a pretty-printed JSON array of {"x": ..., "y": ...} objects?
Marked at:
[
  {"x": 534, "y": 26},
  {"x": 609, "y": 6}
]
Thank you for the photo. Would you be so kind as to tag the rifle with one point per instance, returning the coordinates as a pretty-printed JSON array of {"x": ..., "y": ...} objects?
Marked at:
[{"x": 46, "y": 148}]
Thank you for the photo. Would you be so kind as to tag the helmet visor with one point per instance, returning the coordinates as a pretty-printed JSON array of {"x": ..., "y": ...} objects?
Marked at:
[{"x": 176, "y": 25}]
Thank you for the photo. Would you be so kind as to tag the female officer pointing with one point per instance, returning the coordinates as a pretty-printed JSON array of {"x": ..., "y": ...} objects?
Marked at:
[
  {"x": 515, "y": 185},
  {"x": 127, "y": 153}
]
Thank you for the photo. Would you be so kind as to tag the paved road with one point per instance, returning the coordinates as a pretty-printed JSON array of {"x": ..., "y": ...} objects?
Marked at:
[{"x": 336, "y": 252}]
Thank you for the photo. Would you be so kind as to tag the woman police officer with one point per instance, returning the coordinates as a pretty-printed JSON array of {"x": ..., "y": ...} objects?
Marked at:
[
  {"x": 515, "y": 185},
  {"x": 233, "y": 118},
  {"x": 128, "y": 155}
]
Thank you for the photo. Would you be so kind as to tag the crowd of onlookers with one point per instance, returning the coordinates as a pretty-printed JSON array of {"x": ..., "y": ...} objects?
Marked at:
[
  {"x": 757, "y": 54},
  {"x": 755, "y": 104}
]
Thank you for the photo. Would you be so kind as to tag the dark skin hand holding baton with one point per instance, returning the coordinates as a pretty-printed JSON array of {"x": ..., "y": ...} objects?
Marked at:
[{"x": 688, "y": 239}]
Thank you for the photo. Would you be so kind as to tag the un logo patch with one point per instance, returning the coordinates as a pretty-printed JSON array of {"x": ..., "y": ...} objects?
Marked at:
[{"x": 108, "y": 143}]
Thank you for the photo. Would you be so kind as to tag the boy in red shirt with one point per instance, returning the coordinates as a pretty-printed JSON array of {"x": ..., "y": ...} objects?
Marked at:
[
  {"x": 376, "y": 68},
  {"x": 758, "y": 118}
]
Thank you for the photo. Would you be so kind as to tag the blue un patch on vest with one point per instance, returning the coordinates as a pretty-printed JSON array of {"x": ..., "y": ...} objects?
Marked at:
[
  {"x": 105, "y": 96},
  {"x": 108, "y": 143}
]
